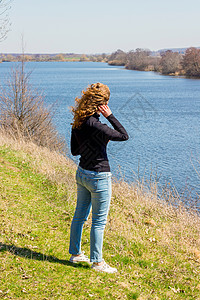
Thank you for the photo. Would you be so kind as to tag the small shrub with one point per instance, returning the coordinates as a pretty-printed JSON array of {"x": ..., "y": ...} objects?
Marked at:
[{"x": 23, "y": 114}]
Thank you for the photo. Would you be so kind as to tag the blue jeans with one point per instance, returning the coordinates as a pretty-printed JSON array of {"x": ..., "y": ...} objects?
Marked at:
[{"x": 93, "y": 190}]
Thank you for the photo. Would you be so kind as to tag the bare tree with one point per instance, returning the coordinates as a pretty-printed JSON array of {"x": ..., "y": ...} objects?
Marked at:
[
  {"x": 138, "y": 59},
  {"x": 191, "y": 62},
  {"x": 117, "y": 58},
  {"x": 23, "y": 113},
  {"x": 170, "y": 62},
  {"x": 5, "y": 6}
]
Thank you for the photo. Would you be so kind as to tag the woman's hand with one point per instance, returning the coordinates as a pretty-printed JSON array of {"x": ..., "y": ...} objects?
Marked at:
[{"x": 105, "y": 110}]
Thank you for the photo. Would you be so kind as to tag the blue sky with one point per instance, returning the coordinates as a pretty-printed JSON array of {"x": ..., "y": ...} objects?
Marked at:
[{"x": 92, "y": 26}]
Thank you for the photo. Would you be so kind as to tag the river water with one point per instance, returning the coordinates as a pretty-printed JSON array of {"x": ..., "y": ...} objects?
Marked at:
[{"x": 160, "y": 113}]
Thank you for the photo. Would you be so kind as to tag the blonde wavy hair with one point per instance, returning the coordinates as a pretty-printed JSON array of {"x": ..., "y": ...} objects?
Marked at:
[{"x": 95, "y": 95}]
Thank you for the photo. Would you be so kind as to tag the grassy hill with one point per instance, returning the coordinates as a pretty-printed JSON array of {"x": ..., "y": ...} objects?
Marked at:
[{"x": 155, "y": 246}]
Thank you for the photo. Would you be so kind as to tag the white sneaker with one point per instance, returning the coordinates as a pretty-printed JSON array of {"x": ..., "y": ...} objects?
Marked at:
[
  {"x": 104, "y": 267},
  {"x": 80, "y": 258}
]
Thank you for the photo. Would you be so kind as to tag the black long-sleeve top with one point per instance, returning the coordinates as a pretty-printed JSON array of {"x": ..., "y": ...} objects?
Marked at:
[{"x": 91, "y": 139}]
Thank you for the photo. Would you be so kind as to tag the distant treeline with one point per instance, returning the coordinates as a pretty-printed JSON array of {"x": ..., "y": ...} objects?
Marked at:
[
  {"x": 165, "y": 62},
  {"x": 53, "y": 57}
]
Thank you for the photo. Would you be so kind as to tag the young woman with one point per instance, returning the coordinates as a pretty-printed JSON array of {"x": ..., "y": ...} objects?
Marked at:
[{"x": 89, "y": 139}]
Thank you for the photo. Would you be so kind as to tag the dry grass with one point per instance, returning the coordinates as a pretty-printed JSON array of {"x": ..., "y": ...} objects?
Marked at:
[
  {"x": 51, "y": 163},
  {"x": 174, "y": 227}
]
